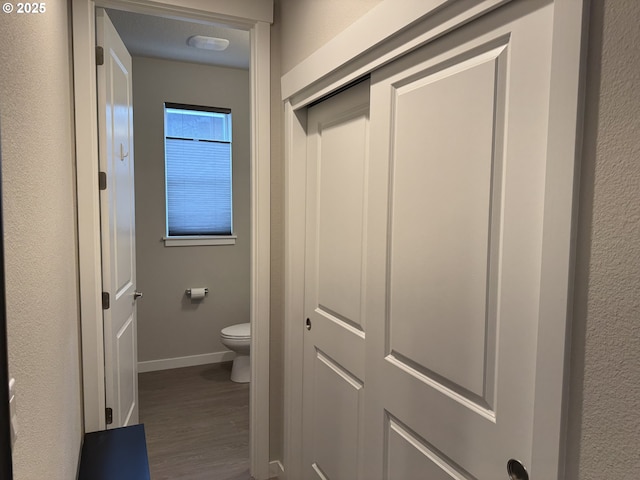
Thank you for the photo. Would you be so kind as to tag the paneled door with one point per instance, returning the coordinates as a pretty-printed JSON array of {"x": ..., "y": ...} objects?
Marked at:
[
  {"x": 453, "y": 259},
  {"x": 117, "y": 207},
  {"x": 335, "y": 276}
]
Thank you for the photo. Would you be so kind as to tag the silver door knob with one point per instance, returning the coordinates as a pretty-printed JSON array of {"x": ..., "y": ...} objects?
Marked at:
[
  {"x": 137, "y": 295},
  {"x": 516, "y": 470}
]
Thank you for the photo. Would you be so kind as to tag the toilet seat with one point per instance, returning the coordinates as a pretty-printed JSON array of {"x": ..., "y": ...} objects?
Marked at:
[{"x": 237, "y": 332}]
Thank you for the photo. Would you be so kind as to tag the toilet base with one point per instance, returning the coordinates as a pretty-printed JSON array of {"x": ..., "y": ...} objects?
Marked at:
[{"x": 241, "y": 369}]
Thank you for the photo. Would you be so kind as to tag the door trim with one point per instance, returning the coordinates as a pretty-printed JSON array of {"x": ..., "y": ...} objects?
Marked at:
[
  {"x": 257, "y": 21},
  {"x": 382, "y": 35}
]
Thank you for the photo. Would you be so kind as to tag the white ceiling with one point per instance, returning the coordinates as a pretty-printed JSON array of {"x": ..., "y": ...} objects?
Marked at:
[{"x": 151, "y": 36}]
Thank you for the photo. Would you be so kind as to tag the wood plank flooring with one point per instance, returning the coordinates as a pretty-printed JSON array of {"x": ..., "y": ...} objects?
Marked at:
[{"x": 197, "y": 423}]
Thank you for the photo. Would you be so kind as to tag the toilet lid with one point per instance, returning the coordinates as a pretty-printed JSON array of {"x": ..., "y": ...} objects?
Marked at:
[{"x": 241, "y": 330}]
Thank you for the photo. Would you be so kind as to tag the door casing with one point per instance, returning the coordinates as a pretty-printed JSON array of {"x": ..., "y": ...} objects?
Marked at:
[
  {"x": 256, "y": 19},
  {"x": 384, "y": 34}
]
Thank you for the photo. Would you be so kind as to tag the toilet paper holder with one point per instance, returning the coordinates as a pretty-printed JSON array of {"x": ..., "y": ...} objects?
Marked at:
[{"x": 188, "y": 291}]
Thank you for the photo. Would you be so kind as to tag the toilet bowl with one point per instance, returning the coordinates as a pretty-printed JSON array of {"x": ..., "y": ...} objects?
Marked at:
[{"x": 238, "y": 339}]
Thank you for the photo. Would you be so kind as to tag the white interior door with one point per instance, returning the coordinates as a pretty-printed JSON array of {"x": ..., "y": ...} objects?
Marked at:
[
  {"x": 459, "y": 145},
  {"x": 334, "y": 367},
  {"x": 117, "y": 205}
]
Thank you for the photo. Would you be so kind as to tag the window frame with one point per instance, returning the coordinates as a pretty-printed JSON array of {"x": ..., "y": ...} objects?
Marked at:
[{"x": 195, "y": 240}]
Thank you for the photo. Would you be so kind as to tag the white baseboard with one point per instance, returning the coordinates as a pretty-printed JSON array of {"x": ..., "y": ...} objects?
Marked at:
[
  {"x": 276, "y": 469},
  {"x": 190, "y": 361}
]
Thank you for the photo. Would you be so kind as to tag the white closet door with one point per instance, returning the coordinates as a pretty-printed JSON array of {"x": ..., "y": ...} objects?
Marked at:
[
  {"x": 334, "y": 344},
  {"x": 453, "y": 258}
]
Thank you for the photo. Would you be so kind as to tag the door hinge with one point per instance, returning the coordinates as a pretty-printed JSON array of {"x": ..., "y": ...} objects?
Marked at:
[
  {"x": 102, "y": 180},
  {"x": 108, "y": 415},
  {"x": 106, "y": 303},
  {"x": 99, "y": 56}
]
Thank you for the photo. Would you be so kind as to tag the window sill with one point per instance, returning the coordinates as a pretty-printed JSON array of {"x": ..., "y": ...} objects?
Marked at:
[{"x": 192, "y": 241}]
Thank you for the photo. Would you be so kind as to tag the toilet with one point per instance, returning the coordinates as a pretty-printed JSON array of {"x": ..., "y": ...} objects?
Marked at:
[{"x": 238, "y": 339}]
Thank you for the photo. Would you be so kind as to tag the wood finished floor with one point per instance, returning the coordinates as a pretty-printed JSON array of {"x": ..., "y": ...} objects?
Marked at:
[{"x": 197, "y": 423}]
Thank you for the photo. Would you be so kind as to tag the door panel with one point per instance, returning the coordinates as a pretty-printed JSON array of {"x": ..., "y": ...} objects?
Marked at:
[
  {"x": 126, "y": 360},
  {"x": 117, "y": 205},
  {"x": 334, "y": 368},
  {"x": 410, "y": 456},
  {"x": 440, "y": 223},
  {"x": 340, "y": 217},
  {"x": 336, "y": 420},
  {"x": 458, "y": 149}
]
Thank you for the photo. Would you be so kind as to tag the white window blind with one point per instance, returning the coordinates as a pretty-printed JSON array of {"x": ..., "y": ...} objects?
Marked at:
[{"x": 198, "y": 171}]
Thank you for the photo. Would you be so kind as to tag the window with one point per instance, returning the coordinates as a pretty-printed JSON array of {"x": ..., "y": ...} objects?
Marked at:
[{"x": 198, "y": 175}]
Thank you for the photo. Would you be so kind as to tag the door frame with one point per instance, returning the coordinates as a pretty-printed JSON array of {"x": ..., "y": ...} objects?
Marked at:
[
  {"x": 382, "y": 35},
  {"x": 256, "y": 18}
]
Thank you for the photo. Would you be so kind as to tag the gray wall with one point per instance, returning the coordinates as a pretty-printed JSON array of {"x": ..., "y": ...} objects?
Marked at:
[
  {"x": 604, "y": 434},
  {"x": 170, "y": 325},
  {"x": 38, "y": 184}
]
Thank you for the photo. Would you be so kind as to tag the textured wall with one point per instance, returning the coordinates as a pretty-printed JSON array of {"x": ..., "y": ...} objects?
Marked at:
[
  {"x": 604, "y": 437},
  {"x": 169, "y": 324},
  {"x": 40, "y": 235}
]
